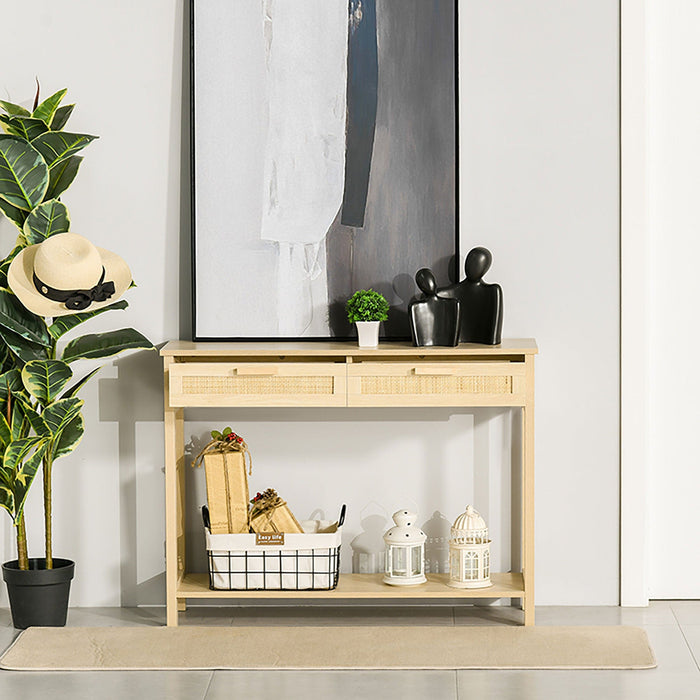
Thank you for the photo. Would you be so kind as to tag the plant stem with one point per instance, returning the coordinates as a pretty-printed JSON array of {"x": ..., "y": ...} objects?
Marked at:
[
  {"x": 47, "y": 512},
  {"x": 22, "y": 555},
  {"x": 47, "y": 464}
]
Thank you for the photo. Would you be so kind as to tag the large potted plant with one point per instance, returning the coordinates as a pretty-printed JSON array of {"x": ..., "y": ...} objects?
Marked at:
[
  {"x": 367, "y": 309},
  {"x": 48, "y": 287}
]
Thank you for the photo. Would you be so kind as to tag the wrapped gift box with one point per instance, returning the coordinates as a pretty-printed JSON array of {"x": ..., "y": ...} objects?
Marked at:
[
  {"x": 269, "y": 513},
  {"x": 227, "y": 492}
]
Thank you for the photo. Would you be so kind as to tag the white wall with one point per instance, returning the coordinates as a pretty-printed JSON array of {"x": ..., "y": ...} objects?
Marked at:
[
  {"x": 121, "y": 61},
  {"x": 539, "y": 188},
  {"x": 539, "y": 175},
  {"x": 674, "y": 183}
]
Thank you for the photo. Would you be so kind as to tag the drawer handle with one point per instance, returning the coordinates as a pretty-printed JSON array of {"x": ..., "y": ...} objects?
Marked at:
[
  {"x": 434, "y": 371},
  {"x": 257, "y": 371}
]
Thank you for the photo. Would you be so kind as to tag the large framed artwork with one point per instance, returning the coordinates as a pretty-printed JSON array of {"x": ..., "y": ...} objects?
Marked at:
[{"x": 324, "y": 144}]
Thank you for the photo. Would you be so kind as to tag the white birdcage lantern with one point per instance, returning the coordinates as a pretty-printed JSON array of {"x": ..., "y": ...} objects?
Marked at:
[
  {"x": 470, "y": 552},
  {"x": 405, "y": 551}
]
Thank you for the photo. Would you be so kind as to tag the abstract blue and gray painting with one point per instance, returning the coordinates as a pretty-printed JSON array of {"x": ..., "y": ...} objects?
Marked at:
[{"x": 340, "y": 168}]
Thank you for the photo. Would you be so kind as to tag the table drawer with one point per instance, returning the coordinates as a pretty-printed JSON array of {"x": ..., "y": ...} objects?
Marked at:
[
  {"x": 257, "y": 384},
  {"x": 436, "y": 384}
]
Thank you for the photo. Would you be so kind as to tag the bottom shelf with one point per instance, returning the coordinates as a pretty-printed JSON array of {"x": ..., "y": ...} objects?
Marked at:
[{"x": 506, "y": 585}]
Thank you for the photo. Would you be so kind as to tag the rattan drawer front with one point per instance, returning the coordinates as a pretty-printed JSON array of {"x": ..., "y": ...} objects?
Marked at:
[
  {"x": 257, "y": 384},
  {"x": 436, "y": 384}
]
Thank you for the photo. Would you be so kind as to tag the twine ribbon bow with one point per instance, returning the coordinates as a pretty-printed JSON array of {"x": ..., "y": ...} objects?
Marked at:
[
  {"x": 229, "y": 443},
  {"x": 265, "y": 504}
]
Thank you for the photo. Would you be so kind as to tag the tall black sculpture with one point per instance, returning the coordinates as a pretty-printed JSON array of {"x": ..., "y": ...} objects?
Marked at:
[
  {"x": 434, "y": 321},
  {"x": 480, "y": 304}
]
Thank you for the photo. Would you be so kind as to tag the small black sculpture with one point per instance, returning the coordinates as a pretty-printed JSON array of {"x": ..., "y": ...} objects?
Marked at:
[
  {"x": 480, "y": 304},
  {"x": 434, "y": 321}
]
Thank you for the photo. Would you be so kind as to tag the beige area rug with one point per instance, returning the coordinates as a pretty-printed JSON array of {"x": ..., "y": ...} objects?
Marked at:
[{"x": 243, "y": 648}]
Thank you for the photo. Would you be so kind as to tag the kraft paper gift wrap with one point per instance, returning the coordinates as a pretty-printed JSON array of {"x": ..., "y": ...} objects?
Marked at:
[
  {"x": 269, "y": 513},
  {"x": 227, "y": 492}
]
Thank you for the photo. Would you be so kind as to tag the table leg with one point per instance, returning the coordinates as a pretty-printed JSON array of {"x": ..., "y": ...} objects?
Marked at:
[
  {"x": 174, "y": 510},
  {"x": 528, "y": 490}
]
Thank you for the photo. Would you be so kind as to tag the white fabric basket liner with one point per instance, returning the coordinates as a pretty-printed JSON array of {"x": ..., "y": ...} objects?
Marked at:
[{"x": 304, "y": 561}]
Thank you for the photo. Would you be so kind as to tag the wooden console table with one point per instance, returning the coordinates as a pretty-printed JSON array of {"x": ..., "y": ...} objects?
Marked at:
[{"x": 342, "y": 374}]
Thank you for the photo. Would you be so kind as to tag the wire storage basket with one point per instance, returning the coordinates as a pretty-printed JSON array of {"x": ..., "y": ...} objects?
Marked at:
[{"x": 308, "y": 561}]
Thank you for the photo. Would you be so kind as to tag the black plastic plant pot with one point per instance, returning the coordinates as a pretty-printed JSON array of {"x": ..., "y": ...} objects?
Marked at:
[{"x": 38, "y": 596}]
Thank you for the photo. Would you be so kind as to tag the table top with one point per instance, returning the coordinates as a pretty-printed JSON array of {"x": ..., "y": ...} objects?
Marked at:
[{"x": 185, "y": 348}]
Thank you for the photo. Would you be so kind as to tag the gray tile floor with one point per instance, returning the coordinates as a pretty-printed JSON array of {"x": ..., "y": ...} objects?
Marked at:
[{"x": 673, "y": 628}]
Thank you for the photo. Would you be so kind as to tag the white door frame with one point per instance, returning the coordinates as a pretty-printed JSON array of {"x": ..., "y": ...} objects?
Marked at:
[{"x": 634, "y": 304}]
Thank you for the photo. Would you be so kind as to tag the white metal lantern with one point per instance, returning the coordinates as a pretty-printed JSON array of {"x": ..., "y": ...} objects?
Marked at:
[
  {"x": 470, "y": 552},
  {"x": 405, "y": 551}
]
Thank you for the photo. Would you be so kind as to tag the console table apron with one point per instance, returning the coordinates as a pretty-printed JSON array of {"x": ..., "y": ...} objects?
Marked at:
[{"x": 278, "y": 374}]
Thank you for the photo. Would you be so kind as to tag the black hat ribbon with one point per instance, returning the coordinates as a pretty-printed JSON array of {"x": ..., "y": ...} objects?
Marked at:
[{"x": 77, "y": 299}]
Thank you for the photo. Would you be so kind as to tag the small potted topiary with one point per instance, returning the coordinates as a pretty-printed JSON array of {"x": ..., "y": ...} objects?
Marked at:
[{"x": 367, "y": 309}]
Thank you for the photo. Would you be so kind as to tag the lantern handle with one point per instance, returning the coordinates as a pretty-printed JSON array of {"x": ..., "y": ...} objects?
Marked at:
[{"x": 341, "y": 519}]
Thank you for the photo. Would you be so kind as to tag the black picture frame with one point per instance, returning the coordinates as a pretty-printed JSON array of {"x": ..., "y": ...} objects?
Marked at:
[{"x": 454, "y": 267}]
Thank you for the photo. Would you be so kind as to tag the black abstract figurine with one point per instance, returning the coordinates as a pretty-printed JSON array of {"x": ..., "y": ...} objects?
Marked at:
[
  {"x": 434, "y": 321},
  {"x": 480, "y": 304}
]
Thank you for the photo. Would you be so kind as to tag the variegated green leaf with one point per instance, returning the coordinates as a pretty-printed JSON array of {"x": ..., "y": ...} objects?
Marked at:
[
  {"x": 63, "y": 324},
  {"x": 105, "y": 344},
  {"x": 16, "y": 318},
  {"x": 9, "y": 421},
  {"x": 61, "y": 117},
  {"x": 75, "y": 388},
  {"x": 34, "y": 418},
  {"x": 12, "y": 381},
  {"x": 70, "y": 436},
  {"x": 46, "y": 110},
  {"x": 14, "y": 110},
  {"x": 7, "y": 500},
  {"x": 19, "y": 425},
  {"x": 25, "y": 474},
  {"x": 6, "y": 475},
  {"x": 45, "y": 220},
  {"x": 10, "y": 407},
  {"x": 3, "y": 412},
  {"x": 57, "y": 146},
  {"x": 5, "y": 264},
  {"x": 22, "y": 349},
  {"x": 15, "y": 215},
  {"x": 61, "y": 176},
  {"x": 26, "y": 128},
  {"x": 59, "y": 414},
  {"x": 44, "y": 379},
  {"x": 24, "y": 175},
  {"x": 30, "y": 128},
  {"x": 18, "y": 450},
  {"x": 5, "y": 432},
  {"x": 27, "y": 469}
]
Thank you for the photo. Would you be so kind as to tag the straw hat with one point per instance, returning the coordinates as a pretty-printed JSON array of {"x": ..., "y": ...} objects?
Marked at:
[{"x": 66, "y": 274}]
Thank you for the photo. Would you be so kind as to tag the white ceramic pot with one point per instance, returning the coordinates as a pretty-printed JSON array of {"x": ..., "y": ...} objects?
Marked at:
[{"x": 367, "y": 333}]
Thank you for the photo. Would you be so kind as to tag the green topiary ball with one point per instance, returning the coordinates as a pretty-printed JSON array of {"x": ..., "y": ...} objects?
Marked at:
[{"x": 367, "y": 305}]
